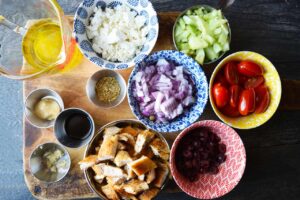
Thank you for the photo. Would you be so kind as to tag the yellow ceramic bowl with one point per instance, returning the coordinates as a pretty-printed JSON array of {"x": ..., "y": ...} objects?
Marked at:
[{"x": 272, "y": 80}]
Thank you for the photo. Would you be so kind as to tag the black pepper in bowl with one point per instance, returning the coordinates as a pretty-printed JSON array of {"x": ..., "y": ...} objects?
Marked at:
[{"x": 199, "y": 152}]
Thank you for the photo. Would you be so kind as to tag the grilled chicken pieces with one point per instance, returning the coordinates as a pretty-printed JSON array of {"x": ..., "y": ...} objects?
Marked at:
[{"x": 129, "y": 163}]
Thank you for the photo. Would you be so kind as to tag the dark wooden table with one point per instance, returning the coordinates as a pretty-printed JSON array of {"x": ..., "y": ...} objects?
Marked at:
[{"x": 272, "y": 28}]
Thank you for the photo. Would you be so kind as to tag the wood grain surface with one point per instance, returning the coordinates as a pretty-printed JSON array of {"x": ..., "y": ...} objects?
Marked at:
[{"x": 71, "y": 86}]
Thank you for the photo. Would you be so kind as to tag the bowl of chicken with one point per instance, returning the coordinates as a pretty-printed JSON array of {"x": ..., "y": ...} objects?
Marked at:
[{"x": 125, "y": 160}]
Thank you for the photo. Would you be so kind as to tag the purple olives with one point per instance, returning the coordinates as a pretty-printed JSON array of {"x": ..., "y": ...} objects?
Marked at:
[{"x": 199, "y": 152}]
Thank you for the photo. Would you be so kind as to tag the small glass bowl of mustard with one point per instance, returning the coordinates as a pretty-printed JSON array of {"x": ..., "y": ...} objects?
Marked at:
[
  {"x": 42, "y": 106},
  {"x": 106, "y": 88}
]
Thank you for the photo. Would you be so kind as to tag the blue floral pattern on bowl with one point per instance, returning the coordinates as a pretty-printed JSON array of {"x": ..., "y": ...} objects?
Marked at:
[
  {"x": 196, "y": 74},
  {"x": 144, "y": 3},
  {"x": 82, "y": 13},
  {"x": 81, "y": 21},
  {"x": 88, "y": 3},
  {"x": 133, "y": 2}
]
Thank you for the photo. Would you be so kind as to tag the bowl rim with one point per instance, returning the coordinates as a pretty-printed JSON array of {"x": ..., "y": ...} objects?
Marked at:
[
  {"x": 122, "y": 85},
  {"x": 184, "y": 133},
  {"x": 206, "y": 7},
  {"x": 56, "y": 96},
  {"x": 212, "y": 78},
  {"x": 65, "y": 152},
  {"x": 87, "y": 140},
  {"x": 99, "y": 132},
  {"x": 144, "y": 121},
  {"x": 132, "y": 62}
]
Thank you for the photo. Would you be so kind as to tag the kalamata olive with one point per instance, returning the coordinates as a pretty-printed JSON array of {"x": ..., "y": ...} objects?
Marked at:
[
  {"x": 200, "y": 149},
  {"x": 190, "y": 148},
  {"x": 203, "y": 134},
  {"x": 217, "y": 139},
  {"x": 222, "y": 148},
  {"x": 196, "y": 163},
  {"x": 196, "y": 144},
  {"x": 201, "y": 170},
  {"x": 204, "y": 155},
  {"x": 220, "y": 158},
  {"x": 188, "y": 164},
  {"x": 187, "y": 153},
  {"x": 200, "y": 152},
  {"x": 204, "y": 163},
  {"x": 195, "y": 154}
]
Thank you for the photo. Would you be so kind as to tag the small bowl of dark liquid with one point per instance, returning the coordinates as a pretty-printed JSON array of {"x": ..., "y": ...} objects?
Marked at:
[{"x": 74, "y": 127}]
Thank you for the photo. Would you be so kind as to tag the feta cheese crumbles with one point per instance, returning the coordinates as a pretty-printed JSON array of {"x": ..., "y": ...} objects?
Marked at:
[{"x": 117, "y": 34}]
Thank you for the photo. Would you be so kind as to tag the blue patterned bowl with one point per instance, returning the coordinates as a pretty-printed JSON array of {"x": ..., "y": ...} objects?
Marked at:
[
  {"x": 196, "y": 74},
  {"x": 82, "y": 19}
]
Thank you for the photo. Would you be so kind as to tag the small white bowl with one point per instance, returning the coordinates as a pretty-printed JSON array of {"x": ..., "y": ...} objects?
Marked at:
[
  {"x": 91, "y": 86},
  {"x": 33, "y": 98}
]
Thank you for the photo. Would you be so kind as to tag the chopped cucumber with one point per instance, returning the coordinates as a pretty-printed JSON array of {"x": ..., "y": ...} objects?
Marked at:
[
  {"x": 226, "y": 47},
  {"x": 200, "y": 56},
  {"x": 210, "y": 53},
  {"x": 217, "y": 31},
  {"x": 181, "y": 23},
  {"x": 222, "y": 38},
  {"x": 189, "y": 12},
  {"x": 179, "y": 30},
  {"x": 193, "y": 30},
  {"x": 197, "y": 43},
  {"x": 203, "y": 34},
  {"x": 187, "y": 19},
  {"x": 209, "y": 39},
  {"x": 184, "y": 46},
  {"x": 217, "y": 48}
]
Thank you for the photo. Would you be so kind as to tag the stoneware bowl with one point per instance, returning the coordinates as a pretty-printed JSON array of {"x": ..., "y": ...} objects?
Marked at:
[
  {"x": 210, "y": 186},
  {"x": 201, "y": 95},
  {"x": 82, "y": 20},
  {"x": 33, "y": 98},
  {"x": 60, "y": 131},
  {"x": 90, "y": 149},
  {"x": 91, "y": 85},
  {"x": 207, "y": 7},
  {"x": 38, "y": 169},
  {"x": 272, "y": 80}
]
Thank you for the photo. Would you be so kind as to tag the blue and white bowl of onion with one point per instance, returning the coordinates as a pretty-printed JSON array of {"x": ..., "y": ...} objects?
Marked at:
[
  {"x": 167, "y": 91},
  {"x": 116, "y": 34}
]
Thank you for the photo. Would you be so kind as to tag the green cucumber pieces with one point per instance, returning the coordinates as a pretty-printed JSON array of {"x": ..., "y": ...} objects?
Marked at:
[{"x": 203, "y": 34}]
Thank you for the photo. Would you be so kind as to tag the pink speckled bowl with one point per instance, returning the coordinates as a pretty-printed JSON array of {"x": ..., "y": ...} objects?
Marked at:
[{"x": 231, "y": 171}]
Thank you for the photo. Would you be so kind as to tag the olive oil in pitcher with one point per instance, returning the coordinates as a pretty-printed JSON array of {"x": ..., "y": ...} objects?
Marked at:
[{"x": 42, "y": 44}]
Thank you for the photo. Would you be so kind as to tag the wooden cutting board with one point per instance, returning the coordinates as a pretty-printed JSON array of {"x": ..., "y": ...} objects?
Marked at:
[{"x": 71, "y": 86}]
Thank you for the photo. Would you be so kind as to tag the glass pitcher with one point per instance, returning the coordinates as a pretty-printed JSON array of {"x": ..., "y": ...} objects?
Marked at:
[{"x": 35, "y": 39}]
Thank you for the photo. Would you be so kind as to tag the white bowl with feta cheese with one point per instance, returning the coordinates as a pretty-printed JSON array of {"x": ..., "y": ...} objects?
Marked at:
[{"x": 116, "y": 34}]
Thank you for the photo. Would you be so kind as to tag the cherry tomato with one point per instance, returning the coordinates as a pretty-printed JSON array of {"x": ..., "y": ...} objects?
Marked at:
[
  {"x": 231, "y": 73},
  {"x": 221, "y": 79},
  {"x": 221, "y": 95},
  {"x": 230, "y": 111},
  {"x": 254, "y": 82},
  {"x": 247, "y": 101},
  {"x": 234, "y": 95},
  {"x": 249, "y": 69},
  {"x": 242, "y": 79},
  {"x": 262, "y": 99}
]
